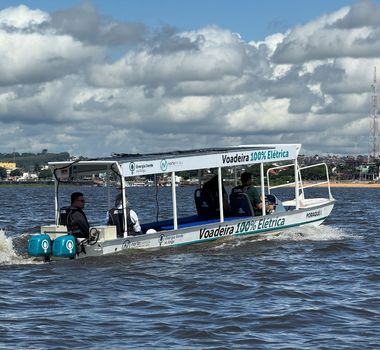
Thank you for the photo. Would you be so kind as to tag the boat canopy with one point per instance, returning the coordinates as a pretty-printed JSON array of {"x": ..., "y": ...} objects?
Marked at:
[{"x": 129, "y": 165}]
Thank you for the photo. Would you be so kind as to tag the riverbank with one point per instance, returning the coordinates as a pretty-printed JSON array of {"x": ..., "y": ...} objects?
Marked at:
[
  {"x": 350, "y": 184},
  {"x": 89, "y": 183}
]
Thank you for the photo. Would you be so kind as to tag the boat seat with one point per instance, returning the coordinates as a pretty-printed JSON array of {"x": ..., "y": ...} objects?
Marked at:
[
  {"x": 240, "y": 204},
  {"x": 203, "y": 205}
]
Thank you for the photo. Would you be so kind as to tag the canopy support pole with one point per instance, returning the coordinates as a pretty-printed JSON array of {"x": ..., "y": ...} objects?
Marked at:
[
  {"x": 56, "y": 201},
  {"x": 124, "y": 204},
  {"x": 296, "y": 184},
  {"x": 174, "y": 199},
  {"x": 108, "y": 187},
  {"x": 262, "y": 189},
  {"x": 220, "y": 184}
]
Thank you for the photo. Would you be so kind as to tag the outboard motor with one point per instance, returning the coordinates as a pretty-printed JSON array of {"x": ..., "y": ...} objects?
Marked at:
[
  {"x": 65, "y": 246},
  {"x": 39, "y": 245}
]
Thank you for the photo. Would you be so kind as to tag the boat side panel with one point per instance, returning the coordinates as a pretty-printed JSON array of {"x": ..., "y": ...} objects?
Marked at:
[{"x": 197, "y": 234}]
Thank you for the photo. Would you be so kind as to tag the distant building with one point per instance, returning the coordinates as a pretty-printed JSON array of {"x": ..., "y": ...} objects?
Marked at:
[
  {"x": 8, "y": 165},
  {"x": 28, "y": 177}
]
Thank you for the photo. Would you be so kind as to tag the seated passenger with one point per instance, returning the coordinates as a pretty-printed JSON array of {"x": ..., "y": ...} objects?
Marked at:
[
  {"x": 77, "y": 222},
  {"x": 252, "y": 193},
  {"x": 210, "y": 192},
  {"x": 115, "y": 217}
]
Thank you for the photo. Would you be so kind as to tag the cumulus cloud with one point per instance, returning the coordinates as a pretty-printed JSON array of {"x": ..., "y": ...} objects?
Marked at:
[
  {"x": 344, "y": 33},
  {"x": 76, "y": 80},
  {"x": 36, "y": 58},
  {"x": 32, "y": 52},
  {"x": 83, "y": 23},
  {"x": 361, "y": 14},
  {"x": 207, "y": 55},
  {"x": 22, "y": 18}
]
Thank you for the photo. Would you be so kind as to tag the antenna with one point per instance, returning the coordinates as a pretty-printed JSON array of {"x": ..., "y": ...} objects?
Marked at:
[{"x": 373, "y": 131}]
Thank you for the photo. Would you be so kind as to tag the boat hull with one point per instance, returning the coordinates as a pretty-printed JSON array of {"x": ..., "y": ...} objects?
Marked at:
[{"x": 243, "y": 227}]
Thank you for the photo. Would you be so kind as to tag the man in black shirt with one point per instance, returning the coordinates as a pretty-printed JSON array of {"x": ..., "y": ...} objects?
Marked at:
[{"x": 76, "y": 219}]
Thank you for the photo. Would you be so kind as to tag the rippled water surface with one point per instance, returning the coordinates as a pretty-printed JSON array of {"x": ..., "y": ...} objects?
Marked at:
[{"x": 311, "y": 288}]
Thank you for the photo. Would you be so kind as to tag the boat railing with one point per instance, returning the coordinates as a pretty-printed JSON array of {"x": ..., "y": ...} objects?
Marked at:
[{"x": 301, "y": 185}]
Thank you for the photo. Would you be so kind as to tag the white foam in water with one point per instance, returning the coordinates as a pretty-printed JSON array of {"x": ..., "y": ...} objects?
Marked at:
[
  {"x": 7, "y": 255},
  {"x": 230, "y": 243},
  {"x": 239, "y": 241},
  {"x": 305, "y": 233},
  {"x": 313, "y": 233},
  {"x": 6, "y": 248}
]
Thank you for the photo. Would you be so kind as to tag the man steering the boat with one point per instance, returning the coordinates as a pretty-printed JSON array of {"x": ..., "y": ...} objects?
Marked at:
[
  {"x": 77, "y": 222},
  {"x": 253, "y": 195}
]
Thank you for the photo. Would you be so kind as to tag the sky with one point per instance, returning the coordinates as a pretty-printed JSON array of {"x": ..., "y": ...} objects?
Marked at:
[{"x": 96, "y": 77}]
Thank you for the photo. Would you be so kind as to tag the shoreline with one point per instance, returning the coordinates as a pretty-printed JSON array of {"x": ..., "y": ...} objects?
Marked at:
[
  {"x": 348, "y": 184},
  {"x": 332, "y": 184}
]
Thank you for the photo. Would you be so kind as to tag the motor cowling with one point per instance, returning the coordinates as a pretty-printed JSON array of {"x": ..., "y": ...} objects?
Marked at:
[
  {"x": 39, "y": 245},
  {"x": 65, "y": 246}
]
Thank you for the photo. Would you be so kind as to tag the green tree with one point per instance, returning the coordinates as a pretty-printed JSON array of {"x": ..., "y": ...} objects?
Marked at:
[
  {"x": 16, "y": 172},
  {"x": 3, "y": 173},
  {"x": 45, "y": 174}
]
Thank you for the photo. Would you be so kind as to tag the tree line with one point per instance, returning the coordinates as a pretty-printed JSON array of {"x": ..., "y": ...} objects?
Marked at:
[{"x": 31, "y": 162}]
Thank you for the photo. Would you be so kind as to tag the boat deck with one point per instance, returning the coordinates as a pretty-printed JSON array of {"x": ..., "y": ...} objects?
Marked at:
[{"x": 306, "y": 203}]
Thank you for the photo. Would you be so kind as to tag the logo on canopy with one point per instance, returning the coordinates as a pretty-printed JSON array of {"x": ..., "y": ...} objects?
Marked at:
[
  {"x": 132, "y": 167},
  {"x": 164, "y": 164}
]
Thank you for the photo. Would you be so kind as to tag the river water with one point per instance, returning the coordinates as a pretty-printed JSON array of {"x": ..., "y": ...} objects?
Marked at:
[{"x": 311, "y": 288}]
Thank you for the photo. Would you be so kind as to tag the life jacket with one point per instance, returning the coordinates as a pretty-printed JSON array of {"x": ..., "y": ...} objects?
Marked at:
[
  {"x": 79, "y": 226},
  {"x": 63, "y": 213},
  {"x": 115, "y": 217}
]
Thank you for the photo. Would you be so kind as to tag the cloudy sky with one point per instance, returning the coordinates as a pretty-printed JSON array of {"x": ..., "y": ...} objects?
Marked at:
[{"x": 95, "y": 77}]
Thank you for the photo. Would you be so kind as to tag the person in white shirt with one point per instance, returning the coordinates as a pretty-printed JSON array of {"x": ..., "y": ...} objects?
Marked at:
[{"x": 114, "y": 217}]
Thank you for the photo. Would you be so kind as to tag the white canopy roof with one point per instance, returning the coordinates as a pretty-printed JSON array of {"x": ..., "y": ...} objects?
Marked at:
[{"x": 146, "y": 164}]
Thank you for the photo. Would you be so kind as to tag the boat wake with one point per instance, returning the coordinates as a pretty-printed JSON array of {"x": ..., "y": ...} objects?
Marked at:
[
  {"x": 305, "y": 233},
  {"x": 313, "y": 233},
  {"x": 8, "y": 255}
]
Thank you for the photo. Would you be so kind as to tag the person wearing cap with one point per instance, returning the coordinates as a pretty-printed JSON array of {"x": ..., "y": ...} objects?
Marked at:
[
  {"x": 113, "y": 215},
  {"x": 253, "y": 194}
]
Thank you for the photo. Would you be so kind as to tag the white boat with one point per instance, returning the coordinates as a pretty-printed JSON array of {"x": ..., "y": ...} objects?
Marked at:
[{"x": 198, "y": 228}]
